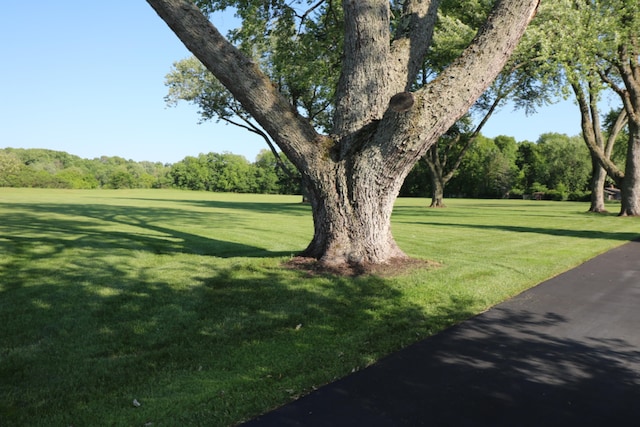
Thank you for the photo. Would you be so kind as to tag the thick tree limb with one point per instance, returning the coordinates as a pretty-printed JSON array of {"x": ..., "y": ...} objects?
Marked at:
[
  {"x": 443, "y": 101},
  {"x": 412, "y": 41},
  {"x": 363, "y": 86},
  {"x": 590, "y": 136},
  {"x": 620, "y": 123},
  {"x": 241, "y": 76},
  {"x": 628, "y": 73}
]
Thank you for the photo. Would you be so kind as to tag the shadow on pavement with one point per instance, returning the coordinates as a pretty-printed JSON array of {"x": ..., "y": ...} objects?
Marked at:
[{"x": 566, "y": 352}]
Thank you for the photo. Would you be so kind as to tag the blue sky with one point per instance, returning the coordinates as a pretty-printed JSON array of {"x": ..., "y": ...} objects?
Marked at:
[{"x": 87, "y": 78}]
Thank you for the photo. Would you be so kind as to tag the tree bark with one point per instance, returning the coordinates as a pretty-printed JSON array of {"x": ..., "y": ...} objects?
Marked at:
[
  {"x": 380, "y": 130},
  {"x": 437, "y": 197},
  {"x": 630, "y": 190},
  {"x": 352, "y": 215},
  {"x": 364, "y": 85},
  {"x": 600, "y": 152},
  {"x": 437, "y": 176},
  {"x": 628, "y": 69},
  {"x": 598, "y": 177}
]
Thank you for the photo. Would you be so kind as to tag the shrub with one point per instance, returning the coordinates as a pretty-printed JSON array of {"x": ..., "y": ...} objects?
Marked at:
[
  {"x": 536, "y": 187},
  {"x": 515, "y": 193},
  {"x": 579, "y": 196},
  {"x": 553, "y": 195}
]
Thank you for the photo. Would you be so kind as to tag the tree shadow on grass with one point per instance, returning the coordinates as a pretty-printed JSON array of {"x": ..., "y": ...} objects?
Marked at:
[
  {"x": 80, "y": 343},
  {"x": 104, "y": 227},
  {"x": 585, "y": 234},
  {"x": 480, "y": 210},
  {"x": 296, "y": 209}
]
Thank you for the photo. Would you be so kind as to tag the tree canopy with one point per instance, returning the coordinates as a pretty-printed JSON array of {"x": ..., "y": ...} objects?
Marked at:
[
  {"x": 604, "y": 60},
  {"x": 457, "y": 24}
]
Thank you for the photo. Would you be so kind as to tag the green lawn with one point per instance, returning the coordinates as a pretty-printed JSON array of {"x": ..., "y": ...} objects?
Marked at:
[{"x": 177, "y": 299}]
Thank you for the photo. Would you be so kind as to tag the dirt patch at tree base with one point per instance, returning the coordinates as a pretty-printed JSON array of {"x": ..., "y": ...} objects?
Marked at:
[{"x": 394, "y": 267}]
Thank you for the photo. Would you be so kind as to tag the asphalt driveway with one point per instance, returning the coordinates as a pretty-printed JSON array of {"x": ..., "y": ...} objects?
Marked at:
[{"x": 565, "y": 353}]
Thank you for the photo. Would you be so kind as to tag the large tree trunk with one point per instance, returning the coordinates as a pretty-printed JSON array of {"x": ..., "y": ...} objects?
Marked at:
[
  {"x": 437, "y": 177},
  {"x": 598, "y": 178},
  {"x": 380, "y": 129},
  {"x": 600, "y": 152},
  {"x": 437, "y": 196},
  {"x": 352, "y": 216},
  {"x": 629, "y": 71},
  {"x": 631, "y": 184}
]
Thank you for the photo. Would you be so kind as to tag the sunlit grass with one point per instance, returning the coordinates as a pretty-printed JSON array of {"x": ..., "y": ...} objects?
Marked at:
[{"x": 178, "y": 299}]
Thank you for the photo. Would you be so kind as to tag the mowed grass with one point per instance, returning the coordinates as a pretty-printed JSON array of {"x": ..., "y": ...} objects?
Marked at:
[{"x": 179, "y": 301}]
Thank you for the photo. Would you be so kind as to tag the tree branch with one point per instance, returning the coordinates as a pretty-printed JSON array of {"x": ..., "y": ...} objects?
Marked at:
[
  {"x": 620, "y": 123},
  {"x": 595, "y": 117},
  {"x": 447, "y": 98},
  {"x": 589, "y": 136},
  {"x": 412, "y": 41},
  {"x": 308, "y": 12},
  {"x": 242, "y": 77},
  {"x": 254, "y": 129},
  {"x": 364, "y": 84},
  {"x": 627, "y": 73}
]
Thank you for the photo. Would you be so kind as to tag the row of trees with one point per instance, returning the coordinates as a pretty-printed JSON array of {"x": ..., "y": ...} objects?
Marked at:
[
  {"x": 56, "y": 169},
  {"x": 557, "y": 165},
  {"x": 233, "y": 173},
  {"x": 226, "y": 172},
  {"x": 40, "y": 168}
]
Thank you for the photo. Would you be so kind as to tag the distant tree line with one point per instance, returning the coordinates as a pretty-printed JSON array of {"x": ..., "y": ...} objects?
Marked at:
[
  {"x": 40, "y": 168},
  {"x": 228, "y": 172},
  {"x": 555, "y": 167}
]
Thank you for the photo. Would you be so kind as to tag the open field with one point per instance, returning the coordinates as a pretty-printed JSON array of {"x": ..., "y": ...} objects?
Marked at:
[{"x": 177, "y": 299}]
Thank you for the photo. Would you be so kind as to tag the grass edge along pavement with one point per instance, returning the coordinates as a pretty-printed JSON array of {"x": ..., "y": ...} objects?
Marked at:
[
  {"x": 178, "y": 299},
  {"x": 564, "y": 353}
]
